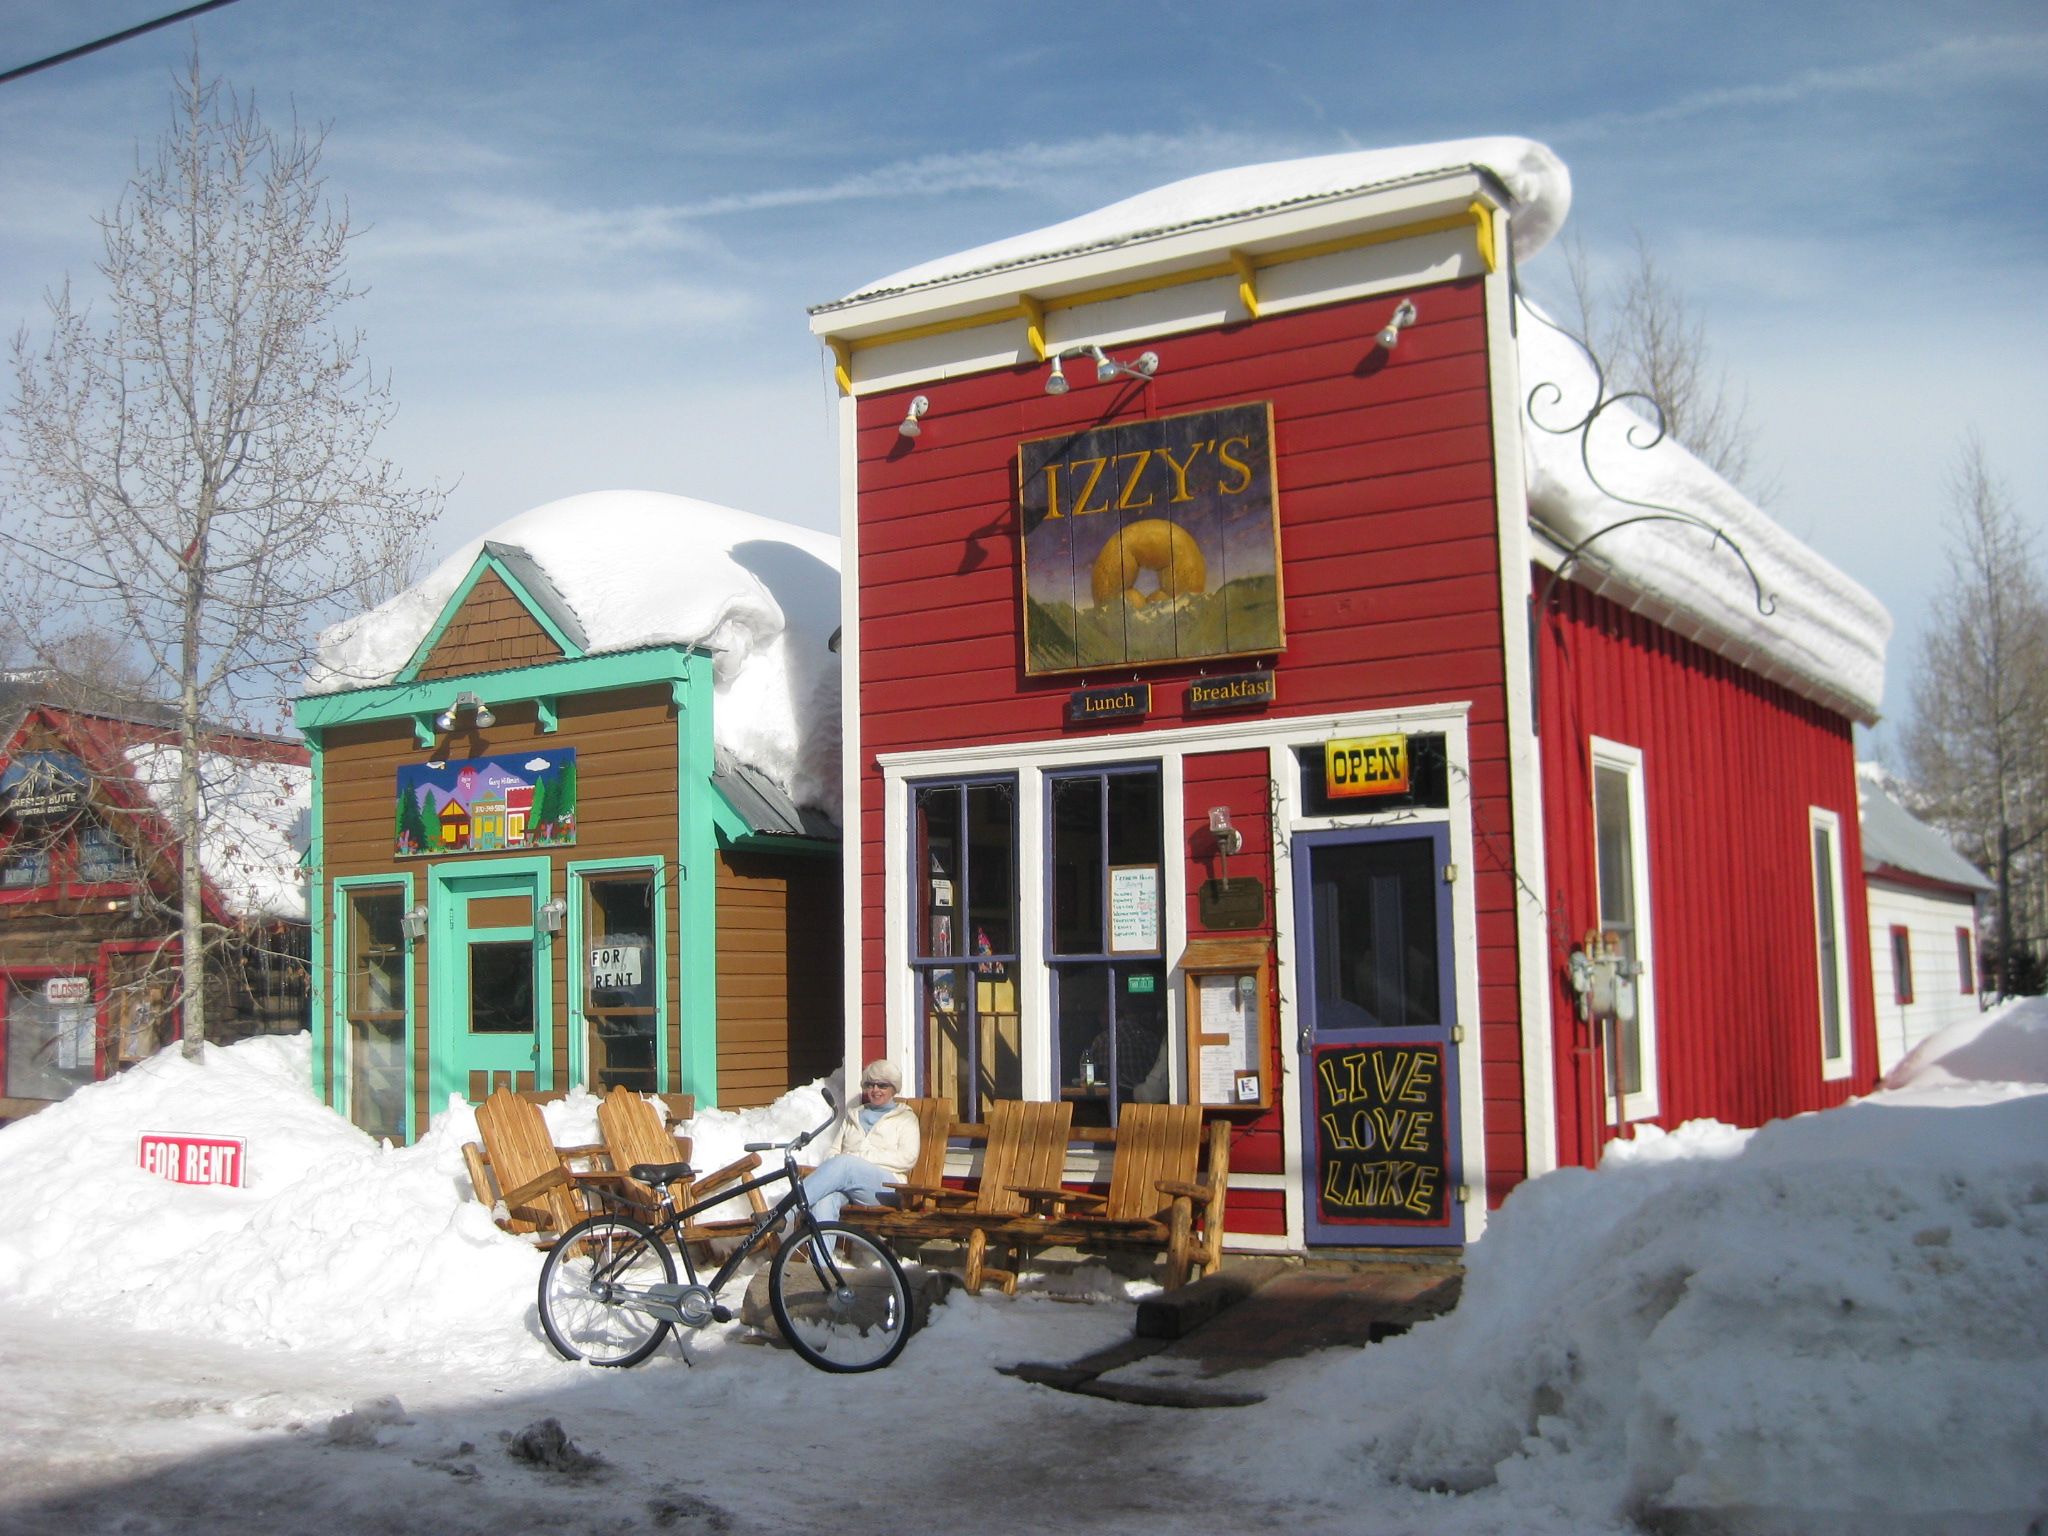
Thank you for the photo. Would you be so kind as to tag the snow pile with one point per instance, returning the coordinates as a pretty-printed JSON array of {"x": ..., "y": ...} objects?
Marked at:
[
  {"x": 1838, "y": 1323},
  {"x": 2002, "y": 1053},
  {"x": 1535, "y": 179},
  {"x": 643, "y": 568},
  {"x": 1826, "y": 630},
  {"x": 338, "y": 1240},
  {"x": 254, "y": 821}
]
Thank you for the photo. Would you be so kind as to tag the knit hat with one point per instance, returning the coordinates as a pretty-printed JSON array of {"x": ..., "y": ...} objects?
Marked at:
[{"x": 882, "y": 1071}]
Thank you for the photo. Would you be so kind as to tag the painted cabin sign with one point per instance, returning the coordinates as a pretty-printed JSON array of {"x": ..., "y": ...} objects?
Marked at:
[
  {"x": 487, "y": 804},
  {"x": 1151, "y": 541}
]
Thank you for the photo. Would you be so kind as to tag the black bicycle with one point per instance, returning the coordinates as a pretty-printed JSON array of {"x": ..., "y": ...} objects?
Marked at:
[{"x": 608, "y": 1291}]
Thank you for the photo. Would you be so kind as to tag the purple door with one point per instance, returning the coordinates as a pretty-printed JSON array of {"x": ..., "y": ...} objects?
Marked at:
[{"x": 1379, "y": 1012}]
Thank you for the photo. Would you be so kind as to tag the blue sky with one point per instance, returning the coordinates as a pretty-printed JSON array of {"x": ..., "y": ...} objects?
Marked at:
[{"x": 594, "y": 226}]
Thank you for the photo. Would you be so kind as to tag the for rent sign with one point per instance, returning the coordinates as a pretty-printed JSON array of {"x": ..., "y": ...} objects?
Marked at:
[{"x": 195, "y": 1159}]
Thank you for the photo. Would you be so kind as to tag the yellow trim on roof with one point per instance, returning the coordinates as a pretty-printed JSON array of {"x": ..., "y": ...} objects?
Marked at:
[
  {"x": 1247, "y": 271},
  {"x": 1243, "y": 265}
]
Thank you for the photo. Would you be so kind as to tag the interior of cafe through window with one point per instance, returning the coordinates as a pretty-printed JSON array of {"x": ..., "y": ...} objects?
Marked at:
[{"x": 966, "y": 942}]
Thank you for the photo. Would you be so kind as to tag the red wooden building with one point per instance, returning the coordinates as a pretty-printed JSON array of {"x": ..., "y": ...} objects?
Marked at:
[{"x": 1203, "y": 746}]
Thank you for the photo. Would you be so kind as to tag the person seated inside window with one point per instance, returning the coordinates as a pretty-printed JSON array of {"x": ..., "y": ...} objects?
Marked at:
[{"x": 875, "y": 1145}]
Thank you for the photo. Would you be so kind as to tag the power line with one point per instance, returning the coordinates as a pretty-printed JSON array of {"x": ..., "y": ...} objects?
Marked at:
[{"x": 107, "y": 42}]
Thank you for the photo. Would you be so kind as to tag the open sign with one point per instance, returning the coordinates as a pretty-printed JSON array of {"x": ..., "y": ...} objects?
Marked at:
[{"x": 195, "y": 1159}]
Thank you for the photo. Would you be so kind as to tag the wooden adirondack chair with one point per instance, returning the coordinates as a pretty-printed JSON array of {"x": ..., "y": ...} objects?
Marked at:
[
  {"x": 1027, "y": 1145},
  {"x": 1154, "y": 1198},
  {"x": 633, "y": 1134},
  {"x": 519, "y": 1164}
]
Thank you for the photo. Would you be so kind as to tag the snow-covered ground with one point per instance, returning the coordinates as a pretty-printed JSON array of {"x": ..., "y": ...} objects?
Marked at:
[{"x": 1836, "y": 1324}]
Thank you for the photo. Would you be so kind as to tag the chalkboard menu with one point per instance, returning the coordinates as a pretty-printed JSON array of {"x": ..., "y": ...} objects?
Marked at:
[{"x": 1381, "y": 1152}]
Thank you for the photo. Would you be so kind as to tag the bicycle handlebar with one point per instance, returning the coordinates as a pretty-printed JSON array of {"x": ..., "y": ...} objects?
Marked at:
[{"x": 802, "y": 1141}]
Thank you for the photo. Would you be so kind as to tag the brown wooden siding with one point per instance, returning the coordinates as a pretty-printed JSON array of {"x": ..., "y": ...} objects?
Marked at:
[
  {"x": 778, "y": 974},
  {"x": 491, "y": 632},
  {"x": 626, "y": 768}
]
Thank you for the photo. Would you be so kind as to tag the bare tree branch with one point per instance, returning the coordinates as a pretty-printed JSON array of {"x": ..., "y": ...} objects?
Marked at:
[{"x": 195, "y": 468}]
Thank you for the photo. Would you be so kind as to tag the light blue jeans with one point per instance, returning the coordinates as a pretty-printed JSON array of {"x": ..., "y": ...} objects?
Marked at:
[{"x": 844, "y": 1177}]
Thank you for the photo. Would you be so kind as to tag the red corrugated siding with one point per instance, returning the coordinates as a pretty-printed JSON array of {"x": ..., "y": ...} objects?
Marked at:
[
  {"x": 1731, "y": 764},
  {"x": 1386, "y": 484}
]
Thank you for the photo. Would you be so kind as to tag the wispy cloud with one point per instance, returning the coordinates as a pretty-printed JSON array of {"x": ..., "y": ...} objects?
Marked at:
[
  {"x": 1030, "y": 165},
  {"x": 1945, "y": 66}
]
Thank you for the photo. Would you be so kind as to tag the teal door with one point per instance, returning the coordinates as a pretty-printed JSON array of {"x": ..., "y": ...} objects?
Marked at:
[{"x": 490, "y": 994}]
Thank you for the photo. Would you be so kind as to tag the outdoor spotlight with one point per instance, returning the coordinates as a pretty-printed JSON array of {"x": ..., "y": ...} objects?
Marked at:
[
  {"x": 414, "y": 924},
  {"x": 484, "y": 718},
  {"x": 1143, "y": 366},
  {"x": 552, "y": 913},
  {"x": 1057, "y": 384},
  {"x": 918, "y": 407},
  {"x": 445, "y": 721},
  {"x": 1404, "y": 316}
]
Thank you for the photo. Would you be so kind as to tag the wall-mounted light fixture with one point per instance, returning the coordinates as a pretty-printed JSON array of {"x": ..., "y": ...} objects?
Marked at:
[
  {"x": 918, "y": 407},
  {"x": 445, "y": 721},
  {"x": 1143, "y": 366},
  {"x": 1404, "y": 316},
  {"x": 1228, "y": 839},
  {"x": 553, "y": 913},
  {"x": 414, "y": 924}
]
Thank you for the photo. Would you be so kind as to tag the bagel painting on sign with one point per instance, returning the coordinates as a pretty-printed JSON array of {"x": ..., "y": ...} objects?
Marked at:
[{"x": 1151, "y": 541}]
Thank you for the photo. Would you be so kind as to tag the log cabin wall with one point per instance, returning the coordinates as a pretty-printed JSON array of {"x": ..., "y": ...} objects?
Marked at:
[{"x": 779, "y": 1017}]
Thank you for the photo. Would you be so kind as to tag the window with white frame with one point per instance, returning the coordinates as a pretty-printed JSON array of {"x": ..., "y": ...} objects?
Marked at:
[
  {"x": 1831, "y": 943},
  {"x": 1622, "y": 876}
]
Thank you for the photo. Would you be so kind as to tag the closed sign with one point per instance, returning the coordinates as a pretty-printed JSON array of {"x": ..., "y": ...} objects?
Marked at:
[
  {"x": 195, "y": 1159},
  {"x": 68, "y": 989}
]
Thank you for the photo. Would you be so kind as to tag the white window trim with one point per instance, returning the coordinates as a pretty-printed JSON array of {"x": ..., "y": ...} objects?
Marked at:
[
  {"x": 1643, "y": 1105},
  {"x": 1832, "y": 1068}
]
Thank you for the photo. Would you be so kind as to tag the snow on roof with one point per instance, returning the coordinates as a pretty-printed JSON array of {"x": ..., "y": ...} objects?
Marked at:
[
  {"x": 644, "y": 568},
  {"x": 1894, "y": 838},
  {"x": 1827, "y": 635},
  {"x": 1535, "y": 178},
  {"x": 255, "y": 816}
]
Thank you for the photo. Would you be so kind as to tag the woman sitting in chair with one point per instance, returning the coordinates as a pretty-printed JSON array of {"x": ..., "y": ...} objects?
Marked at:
[{"x": 876, "y": 1145}]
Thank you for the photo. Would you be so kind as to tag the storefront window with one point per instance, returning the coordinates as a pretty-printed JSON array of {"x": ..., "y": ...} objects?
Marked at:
[
  {"x": 1109, "y": 975},
  {"x": 102, "y": 860},
  {"x": 620, "y": 1002},
  {"x": 964, "y": 842},
  {"x": 24, "y": 868},
  {"x": 49, "y": 1037},
  {"x": 376, "y": 1011}
]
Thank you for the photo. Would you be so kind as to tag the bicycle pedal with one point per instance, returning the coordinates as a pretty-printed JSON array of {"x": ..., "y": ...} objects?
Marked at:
[{"x": 721, "y": 1314}]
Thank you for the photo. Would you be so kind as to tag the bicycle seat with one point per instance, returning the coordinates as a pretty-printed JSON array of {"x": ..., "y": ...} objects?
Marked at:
[{"x": 658, "y": 1173}]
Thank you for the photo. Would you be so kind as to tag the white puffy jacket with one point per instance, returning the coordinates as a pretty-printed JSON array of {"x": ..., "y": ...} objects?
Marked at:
[{"x": 891, "y": 1143}]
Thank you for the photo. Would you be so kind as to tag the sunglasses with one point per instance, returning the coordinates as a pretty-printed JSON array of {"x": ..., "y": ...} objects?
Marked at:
[{"x": 878, "y": 1085}]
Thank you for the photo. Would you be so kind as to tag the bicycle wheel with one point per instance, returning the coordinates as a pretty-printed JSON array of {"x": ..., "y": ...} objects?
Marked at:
[
  {"x": 587, "y": 1270},
  {"x": 840, "y": 1299}
]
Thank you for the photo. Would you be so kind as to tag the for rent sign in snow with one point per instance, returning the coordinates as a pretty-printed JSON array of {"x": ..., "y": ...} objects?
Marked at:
[{"x": 195, "y": 1159}]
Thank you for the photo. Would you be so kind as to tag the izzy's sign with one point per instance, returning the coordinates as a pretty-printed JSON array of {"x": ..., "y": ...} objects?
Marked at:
[{"x": 195, "y": 1159}]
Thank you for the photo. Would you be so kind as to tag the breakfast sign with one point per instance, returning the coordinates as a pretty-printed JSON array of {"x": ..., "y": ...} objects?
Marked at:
[{"x": 1151, "y": 541}]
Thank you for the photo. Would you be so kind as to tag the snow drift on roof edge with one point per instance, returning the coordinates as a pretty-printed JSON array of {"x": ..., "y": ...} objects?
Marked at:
[
  {"x": 1534, "y": 177},
  {"x": 645, "y": 568},
  {"x": 1825, "y": 627}
]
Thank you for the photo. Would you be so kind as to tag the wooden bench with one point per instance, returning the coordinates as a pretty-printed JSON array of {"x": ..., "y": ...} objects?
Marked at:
[
  {"x": 1023, "y": 1143},
  {"x": 1160, "y": 1195},
  {"x": 1155, "y": 1198}
]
